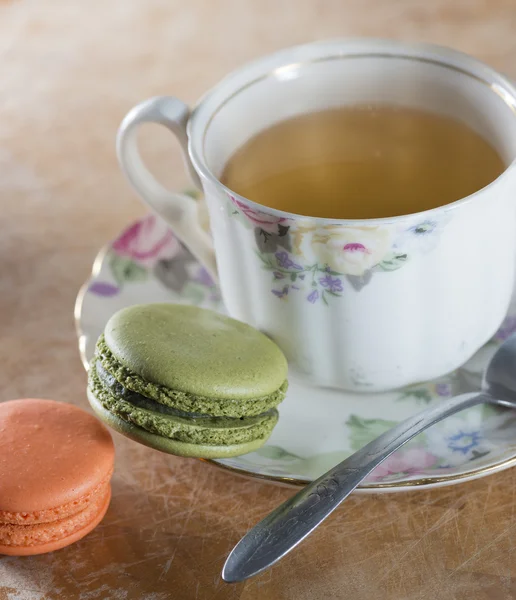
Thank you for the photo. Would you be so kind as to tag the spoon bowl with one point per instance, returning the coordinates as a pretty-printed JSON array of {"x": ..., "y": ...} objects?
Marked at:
[{"x": 499, "y": 379}]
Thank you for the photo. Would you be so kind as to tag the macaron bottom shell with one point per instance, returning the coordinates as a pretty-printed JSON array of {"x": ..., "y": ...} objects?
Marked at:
[
  {"x": 172, "y": 446},
  {"x": 54, "y": 530}
]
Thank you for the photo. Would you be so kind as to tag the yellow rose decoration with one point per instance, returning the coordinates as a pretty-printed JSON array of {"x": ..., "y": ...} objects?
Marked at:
[{"x": 351, "y": 250}]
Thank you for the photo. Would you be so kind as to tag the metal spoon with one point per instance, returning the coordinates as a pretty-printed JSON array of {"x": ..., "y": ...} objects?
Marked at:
[{"x": 296, "y": 518}]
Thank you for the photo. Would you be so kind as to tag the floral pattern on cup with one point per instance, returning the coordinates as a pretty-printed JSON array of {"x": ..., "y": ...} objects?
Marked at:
[
  {"x": 320, "y": 262},
  {"x": 351, "y": 250},
  {"x": 264, "y": 221},
  {"x": 317, "y": 282},
  {"x": 422, "y": 236}
]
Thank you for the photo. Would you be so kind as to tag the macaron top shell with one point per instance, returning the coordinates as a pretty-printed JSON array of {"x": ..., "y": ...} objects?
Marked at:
[
  {"x": 51, "y": 454},
  {"x": 166, "y": 343}
]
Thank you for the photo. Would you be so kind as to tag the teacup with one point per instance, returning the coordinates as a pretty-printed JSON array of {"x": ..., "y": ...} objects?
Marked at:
[{"x": 365, "y": 305}]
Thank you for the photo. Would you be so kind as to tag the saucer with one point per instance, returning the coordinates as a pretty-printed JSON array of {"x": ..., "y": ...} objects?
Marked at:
[{"x": 318, "y": 427}]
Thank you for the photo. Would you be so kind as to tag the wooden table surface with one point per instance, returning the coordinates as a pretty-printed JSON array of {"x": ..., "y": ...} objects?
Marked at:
[{"x": 69, "y": 70}]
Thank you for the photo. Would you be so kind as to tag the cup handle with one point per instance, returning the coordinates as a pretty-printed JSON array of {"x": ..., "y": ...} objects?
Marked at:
[{"x": 180, "y": 211}]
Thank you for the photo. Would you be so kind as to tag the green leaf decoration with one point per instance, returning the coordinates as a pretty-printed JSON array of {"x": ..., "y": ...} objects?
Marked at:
[
  {"x": 420, "y": 395},
  {"x": 488, "y": 410},
  {"x": 475, "y": 454},
  {"x": 194, "y": 292},
  {"x": 267, "y": 261},
  {"x": 193, "y": 193},
  {"x": 316, "y": 465},
  {"x": 293, "y": 276},
  {"x": 358, "y": 282},
  {"x": 283, "y": 230},
  {"x": 276, "y": 453},
  {"x": 393, "y": 261},
  {"x": 362, "y": 431},
  {"x": 235, "y": 214},
  {"x": 126, "y": 270}
]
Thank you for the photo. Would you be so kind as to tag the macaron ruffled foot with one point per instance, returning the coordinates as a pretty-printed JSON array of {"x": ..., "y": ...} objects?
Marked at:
[{"x": 187, "y": 381}]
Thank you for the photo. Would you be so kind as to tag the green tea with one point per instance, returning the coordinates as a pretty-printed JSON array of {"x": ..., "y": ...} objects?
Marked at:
[{"x": 362, "y": 162}]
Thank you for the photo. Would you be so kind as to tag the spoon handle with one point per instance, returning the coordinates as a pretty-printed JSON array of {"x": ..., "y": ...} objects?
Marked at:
[{"x": 296, "y": 518}]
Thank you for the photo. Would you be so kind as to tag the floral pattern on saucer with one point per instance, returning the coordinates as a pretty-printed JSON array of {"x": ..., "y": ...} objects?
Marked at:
[
  {"x": 320, "y": 262},
  {"x": 146, "y": 263},
  {"x": 146, "y": 250}
]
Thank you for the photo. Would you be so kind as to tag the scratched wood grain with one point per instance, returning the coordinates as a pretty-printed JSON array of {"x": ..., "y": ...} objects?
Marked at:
[{"x": 68, "y": 73}]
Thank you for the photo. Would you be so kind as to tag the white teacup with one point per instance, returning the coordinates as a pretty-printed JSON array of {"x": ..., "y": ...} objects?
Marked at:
[{"x": 356, "y": 304}]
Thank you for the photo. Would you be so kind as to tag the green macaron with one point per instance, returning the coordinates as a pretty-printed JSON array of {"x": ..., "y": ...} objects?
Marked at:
[{"x": 187, "y": 380}]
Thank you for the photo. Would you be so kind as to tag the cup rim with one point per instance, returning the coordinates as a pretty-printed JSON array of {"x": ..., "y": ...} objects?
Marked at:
[{"x": 339, "y": 48}]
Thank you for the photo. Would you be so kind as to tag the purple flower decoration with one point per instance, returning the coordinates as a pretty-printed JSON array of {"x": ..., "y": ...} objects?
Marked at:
[
  {"x": 443, "y": 389},
  {"x": 507, "y": 328},
  {"x": 281, "y": 293},
  {"x": 313, "y": 297},
  {"x": 278, "y": 275},
  {"x": 332, "y": 284},
  {"x": 285, "y": 262},
  {"x": 203, "y": 277},
  {"x": 101, "y": 288}
]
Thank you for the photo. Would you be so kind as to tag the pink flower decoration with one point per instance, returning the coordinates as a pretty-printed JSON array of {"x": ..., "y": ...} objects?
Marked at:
[
  {"x": 146, "y": 241},
  {"x": 356, "y": 248},
  {"x": 257, "y": 217},
  {"x": 407, "y": 462},
  {"x": 351, "y": 250}
]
